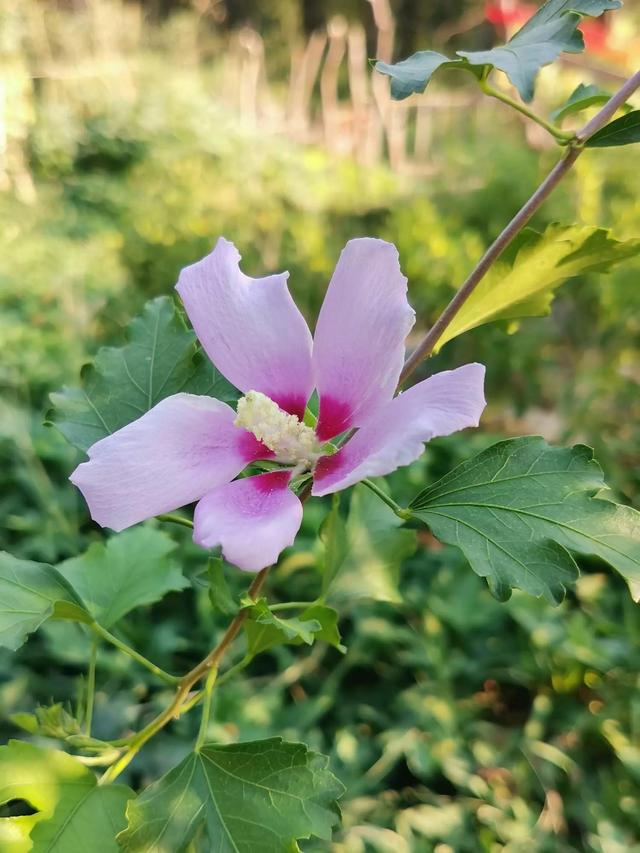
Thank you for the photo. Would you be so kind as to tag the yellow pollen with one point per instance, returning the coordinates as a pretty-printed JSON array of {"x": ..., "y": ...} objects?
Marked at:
[{"x": 284, "y": 434}]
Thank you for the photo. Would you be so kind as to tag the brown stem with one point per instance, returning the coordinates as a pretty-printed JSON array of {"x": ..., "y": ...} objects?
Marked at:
[{"x": 427, "y": 345}]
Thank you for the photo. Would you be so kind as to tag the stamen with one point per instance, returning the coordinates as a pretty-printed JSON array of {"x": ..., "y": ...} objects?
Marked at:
[{"x": 284, "y": 434}]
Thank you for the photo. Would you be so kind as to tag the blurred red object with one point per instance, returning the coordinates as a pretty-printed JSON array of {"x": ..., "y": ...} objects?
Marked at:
[{"x": 507, "y": 16}]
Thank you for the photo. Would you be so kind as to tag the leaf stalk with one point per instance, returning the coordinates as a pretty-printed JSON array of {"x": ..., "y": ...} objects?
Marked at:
[
  {"x": 128, "y": 650},
  {"x": 401, "y": 512},
  {"x": 560, "y": 135}
]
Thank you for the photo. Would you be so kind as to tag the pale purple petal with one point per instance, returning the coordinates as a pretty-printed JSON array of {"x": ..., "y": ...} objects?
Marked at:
[
  {"x": 358, "y": 349},
  {"x": 169, "y": 457},
  {"x": 253, "y": 519},
  {"x": 250, "y": 328},
  {"x": 395, "y": 434}
]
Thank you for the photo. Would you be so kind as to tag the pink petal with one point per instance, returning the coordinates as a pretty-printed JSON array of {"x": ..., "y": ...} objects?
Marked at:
[
  {"x": 358, "y": 349},
  {"x": 250, "y": 328},
  {"x": 253, "y": 519},
  {"x": 169, "y": 457},
  {"x": 395, "y": 434}
]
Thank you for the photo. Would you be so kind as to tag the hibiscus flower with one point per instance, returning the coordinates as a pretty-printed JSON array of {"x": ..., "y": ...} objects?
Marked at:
[{"x": 192, "y": 448}]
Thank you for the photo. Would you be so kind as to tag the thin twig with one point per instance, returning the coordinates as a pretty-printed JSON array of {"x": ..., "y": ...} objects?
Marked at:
[{"x": 428, "y": 343}]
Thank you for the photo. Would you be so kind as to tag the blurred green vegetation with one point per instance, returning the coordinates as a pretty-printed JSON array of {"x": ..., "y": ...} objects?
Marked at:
[{"x": 457, "y": 723}]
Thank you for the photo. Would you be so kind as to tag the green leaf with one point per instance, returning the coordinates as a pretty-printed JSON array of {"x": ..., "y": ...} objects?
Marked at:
[
  {"x": 518, "y": 508},
  {"x": 132, "y": 569},
  {"x": 242, "y": 798},
  {"x": 328, "y": 619},
  {"x": 413, "y": 74},
  {"x": 623, "y": 131},
  {"x": 162, "y": 358},
  {"x": 265, "y": 630},
  {"x": 219, "y": 593},
  {"x": 333, "y": 535},
  {"x": 523, "y": 282},
  {"x": 49, "y": 721},
  {"x": 550, "y": 32},
  {"x": 376, "y": 548},
  {"x": 31, "y": 593},
  {"x": 580, "y": 99},
  {"x": 70, "y": 808}
]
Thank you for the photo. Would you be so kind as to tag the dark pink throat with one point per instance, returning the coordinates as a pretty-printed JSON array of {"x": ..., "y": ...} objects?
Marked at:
[
  {"x": 335, "y": 417},
  {"x": 294, "y": 405},
  {"x": 272, "y": 482}
]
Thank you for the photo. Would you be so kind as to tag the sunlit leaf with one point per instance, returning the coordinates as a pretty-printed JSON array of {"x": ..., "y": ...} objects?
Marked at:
[
  {"x": 242, "y": 798},
  {"x": 31, "y": 593},
  {"x": 71, "y": 812},
  {"x": 623, "y": 131},
  {"x": 132, "y": 569},
  {"x": 551, "y": 31},
  {"x": 518, "y": 508},
  {"x": 523, "y": 282},
  {"x": 162, "y": 358},
  {"x": 376, "y": 548}
]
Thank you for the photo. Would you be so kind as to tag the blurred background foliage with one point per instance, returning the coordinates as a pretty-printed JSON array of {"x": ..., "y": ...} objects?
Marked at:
[{"x": 131, "y": 136}]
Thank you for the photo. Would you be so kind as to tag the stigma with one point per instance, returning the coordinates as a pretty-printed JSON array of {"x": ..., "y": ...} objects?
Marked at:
[{"x": 285, "y": 435}]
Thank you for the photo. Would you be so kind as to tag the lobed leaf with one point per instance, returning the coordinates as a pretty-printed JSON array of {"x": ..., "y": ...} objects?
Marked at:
[
  {"x": 257, "y": 797},
  {"x": 31, "y": 593},
  {"x": 133, "y": 568},
  {"x": 412, "y": 75},
  {"x": 69, "y": 807},
  {"x": 531, "y": 48},
  {"x": 524, "y": 280},
  {"x": 551, "y": 31},
  {"x": 517, "y": 510},
  {"x": 162, "y": 358},
  {"x": 265, "y": 629}
]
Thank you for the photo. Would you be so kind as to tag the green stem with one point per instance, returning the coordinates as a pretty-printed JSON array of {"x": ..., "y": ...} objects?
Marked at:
[
  {"x": 206, "y": 708},
  {"x": 400, "y": 511},
  {"x": 292, "y": 605},
  {"x": 235, "y": 669},
  {"x": 222, "y": 679},
  {"x": 562, "y": 136},
  {"x": 177, "y": 705},
  {"x": 175, "y": 519},
  {"x": 143, "y": 661},
  {"x": 91, "y": 686}
]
